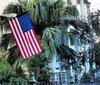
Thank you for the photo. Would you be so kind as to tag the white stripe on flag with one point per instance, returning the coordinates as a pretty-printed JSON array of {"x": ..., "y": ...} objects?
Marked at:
[
  {"x": 32, "y": 41},
  {"x": 27, "y": 42},
  {"x": 37, "y": 43},
  {"x": 17, "y": 41},
  {"x": 24, "y": 39},
  {"x": 30, "y": 45},
  {"x": 20, "y": 37}
]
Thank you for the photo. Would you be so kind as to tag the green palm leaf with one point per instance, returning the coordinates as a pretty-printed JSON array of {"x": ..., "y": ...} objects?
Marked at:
[
  {"x": 50, "y": 20},
  {"x": 13, "y": 54},
  {"x": 43, "y": 13},
  {"x": 7, "y": 40},
  {"x": 34, "y": 2}
]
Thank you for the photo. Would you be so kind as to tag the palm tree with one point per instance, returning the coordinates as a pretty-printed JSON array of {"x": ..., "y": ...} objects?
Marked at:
[
  {"x": 45, "y": 15},
  {"x": 50, "y": 20}
]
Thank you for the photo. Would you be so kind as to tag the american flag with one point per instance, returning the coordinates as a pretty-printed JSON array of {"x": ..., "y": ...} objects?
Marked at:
[{"x": 24, "y": 35}]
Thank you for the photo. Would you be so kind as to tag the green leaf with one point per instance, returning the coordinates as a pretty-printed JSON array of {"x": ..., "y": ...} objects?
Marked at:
[
  {"x": 50, "y": 2},
  {"x": 34, "y": 2},
  {"x": 43, "y": 13}
]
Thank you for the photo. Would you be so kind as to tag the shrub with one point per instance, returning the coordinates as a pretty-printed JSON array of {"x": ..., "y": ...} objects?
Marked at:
[
  {"x": 8, "y": 74},
  {"x": 6, "y": 71}
]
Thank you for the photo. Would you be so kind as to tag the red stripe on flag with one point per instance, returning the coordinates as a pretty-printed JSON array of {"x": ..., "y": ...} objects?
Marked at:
[
  {"x": 22, "y": 44},
  {"x": 26, "y": 43},
  {"x": 38, "y": 44},
  {"x": 19, "y": 33},
  {"x": 32, "y": 42},
  {"x": 30, "y": 46},
  {"x": 16, "y": 40},
  {"x": 21, "y": 38}
]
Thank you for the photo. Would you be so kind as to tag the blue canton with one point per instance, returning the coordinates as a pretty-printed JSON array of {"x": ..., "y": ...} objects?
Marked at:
[{"x": 25, "y": 22}]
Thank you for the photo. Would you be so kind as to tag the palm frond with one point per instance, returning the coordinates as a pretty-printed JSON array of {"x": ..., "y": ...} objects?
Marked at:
[
  {"x": 50, "y": 2},
  {"x": 13, "y": 8},
  {"x": 48, "y": 16},
  {"x": 48, "y": 35},
  {"x": 55, "y": 37},
  {"x": 13, "y": 54},
  {"x": 69, "y": 2},
  {"x": 72, "y": 10},
  {"x": 7, "y": 41},
  {"x": 3, "y": 55},
  {"x": 43, "y": 13},
  {"x": 66, "y": 52},
  {"x": 17, "y": 63},
  {"x": 34, "y": 2}
]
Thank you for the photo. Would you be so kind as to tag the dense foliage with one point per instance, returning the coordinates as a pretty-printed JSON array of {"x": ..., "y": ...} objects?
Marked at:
[
  {"x": 39, "y": 63},
  {"x": 7, "y": 73},
  {"x": 50, "y": 19},
  {"x": 95, "y": 20},
  {"x": 45, "y": 15}
]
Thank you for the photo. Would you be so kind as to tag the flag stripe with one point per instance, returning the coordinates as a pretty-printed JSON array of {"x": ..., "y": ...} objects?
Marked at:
[
  {"x": 19, "y": 35},
  {"x": 16, "y": 40},
  {"x": 30, "y": 44},
  {"x": 32, "y": 34},
  {"x": 26, "y": 43},
  {"x": 32, "y": 41},
  {"x": 36, "y": 40},
  {"x": 25, "y": 37},
  {"x": 25, "y": 40},
  {"x": 20, "y": 40}
]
